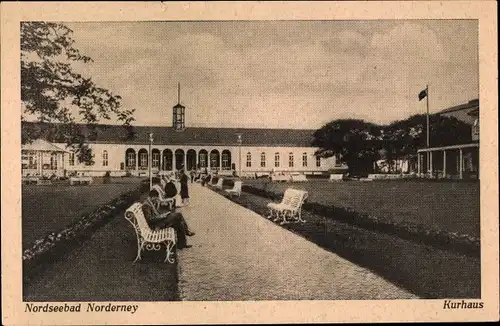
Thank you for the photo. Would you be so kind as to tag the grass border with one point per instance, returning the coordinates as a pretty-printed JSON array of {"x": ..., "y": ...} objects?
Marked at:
[
  {"x": 461, "y": 243},
  {"x": 55, "y": 245}
]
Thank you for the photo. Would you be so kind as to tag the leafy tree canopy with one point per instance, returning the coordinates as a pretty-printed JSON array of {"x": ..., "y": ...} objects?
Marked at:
[
  {"x": 51, "y": 90},
  {"x": 358, "y": 143}
]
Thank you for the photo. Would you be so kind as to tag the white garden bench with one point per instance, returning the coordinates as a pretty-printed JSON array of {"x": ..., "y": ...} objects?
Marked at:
[
  {"x": 218, "y": 185},
  {"x": 148, "y": 238},
  {"x": 164, "y": 200},
  {"x": 80, "y": 180},
  {"x": 336, "y": 177},
  {"x": 299, "y": 178},
  {"x": 236, "y": 190},
  {"x": 290, "y": 206},
  {"x": 29, "y": 180},
  {"x": 280, "y": 177}
]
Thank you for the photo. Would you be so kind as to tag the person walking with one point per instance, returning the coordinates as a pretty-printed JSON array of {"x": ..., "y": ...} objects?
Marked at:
[{"x": 184, "y": 188}]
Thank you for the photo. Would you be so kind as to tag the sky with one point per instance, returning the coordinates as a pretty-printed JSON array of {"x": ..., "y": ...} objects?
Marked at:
[{"x": 282, "y": 74}]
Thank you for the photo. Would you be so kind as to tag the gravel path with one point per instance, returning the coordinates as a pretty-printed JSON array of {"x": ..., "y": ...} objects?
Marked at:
[{"x": 239, "y": 255}]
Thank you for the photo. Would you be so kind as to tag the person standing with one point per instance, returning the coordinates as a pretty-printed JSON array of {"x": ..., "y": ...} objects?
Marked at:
[
  {"x": 184, "y": 188},
  {"x": 171, "y": 190}
]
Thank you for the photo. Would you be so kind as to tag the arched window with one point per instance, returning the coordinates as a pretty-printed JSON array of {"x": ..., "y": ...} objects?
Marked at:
[
  {"x": 249, "y": 160},
  {"x": 214, "y": 159},
  {"x": 290, "y": 160},
  {"x": 143, "y": 159},
  {"x": 226, "y": 160},
  {"x": 304, "y": 159},
  {"x": 155, "y": 153},
  {"x": 276, "y": 160},
  {"x": 104, "y": 158},
  {"x": 202, "y": 158},
  {"x": 167, "y": 159},
  {"x": 262, "y": 160},
  {"x": 130, "y": 158}
]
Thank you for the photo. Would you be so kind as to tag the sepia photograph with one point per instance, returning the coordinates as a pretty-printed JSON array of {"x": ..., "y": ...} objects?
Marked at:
[{"x": 249, "y": 160}]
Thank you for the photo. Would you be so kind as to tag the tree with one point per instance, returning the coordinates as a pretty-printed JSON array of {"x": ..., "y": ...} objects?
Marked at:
[
  {"x": 411, "y": 134},
  {"x": 51, "y": 89},
  {"x": 360, "y": 143},
  {"x": 355, "y": 141}
]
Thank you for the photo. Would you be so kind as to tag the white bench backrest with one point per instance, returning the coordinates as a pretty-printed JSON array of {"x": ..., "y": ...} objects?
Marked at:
[
  {"x": 140, "y": 222},
  {"x": 160, "y": 191},
  {"x": 294, "y": 198},
  {"x": 237, "y": 186},
  {"x": 287, "y": 196},
  {"x": 336, "y": 177}
]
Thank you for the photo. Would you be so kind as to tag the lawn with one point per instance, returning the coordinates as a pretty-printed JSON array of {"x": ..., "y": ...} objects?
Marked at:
[
  {"x": 450, "y": 206},
  {"x": 424, "y": 270},
  {"x": 100, "y": 268},
  {"x": 49, "y": 208}
]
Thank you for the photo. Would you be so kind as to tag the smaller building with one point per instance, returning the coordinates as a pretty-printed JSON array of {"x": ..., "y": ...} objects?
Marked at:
[
  {"x": 41, "y": 158},
  {"x": 459, "y": 161}
]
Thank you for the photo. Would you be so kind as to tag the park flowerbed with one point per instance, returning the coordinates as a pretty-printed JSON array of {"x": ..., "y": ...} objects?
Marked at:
[
  {"x": 56, "y": 244},
  {"x": 463, "y": 243}
]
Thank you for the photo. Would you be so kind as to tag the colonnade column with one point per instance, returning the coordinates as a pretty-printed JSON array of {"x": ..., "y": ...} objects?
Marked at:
[
  {"x": 220, "y": 160},
  {"x": 40, "y": 163},
  {"x": 444, "y": 164},
  {"x": 430, "y": 163},
  {"x": 461, "y": 164},
  {"x": 418, "y": 164}
]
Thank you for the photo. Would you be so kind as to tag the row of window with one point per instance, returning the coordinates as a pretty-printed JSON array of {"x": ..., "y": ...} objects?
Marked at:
[
  {"x": 30, "y": 161},
  {"x": 104, "y": 158},
  {"x": 143, "y": 159},
  {"x": 291, "y": 160}
]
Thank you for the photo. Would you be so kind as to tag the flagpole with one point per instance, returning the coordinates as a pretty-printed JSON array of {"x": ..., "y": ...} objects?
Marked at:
[
  {"x": 429, "y": 168},
  {"x": 427, "y": 97}
]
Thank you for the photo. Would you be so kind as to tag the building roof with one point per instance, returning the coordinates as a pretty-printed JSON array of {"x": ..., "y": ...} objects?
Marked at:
[
  {"x": 471, "y": 105},
  {"x": 41, "y": 145},
  {"x": 117, "y": 134}
]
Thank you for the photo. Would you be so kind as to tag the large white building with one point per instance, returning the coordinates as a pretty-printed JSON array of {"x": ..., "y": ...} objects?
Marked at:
[{"x": 119, "y": 149}]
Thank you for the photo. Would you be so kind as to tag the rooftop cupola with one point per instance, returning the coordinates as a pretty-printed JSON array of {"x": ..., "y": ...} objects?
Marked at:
[{"x": 179, "y": 113}]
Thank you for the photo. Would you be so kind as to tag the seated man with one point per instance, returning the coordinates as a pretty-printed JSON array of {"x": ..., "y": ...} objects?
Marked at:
[{"x": 157, "y": 220}]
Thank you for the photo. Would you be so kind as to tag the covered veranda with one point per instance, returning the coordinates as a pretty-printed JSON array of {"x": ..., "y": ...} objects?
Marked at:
[{"x": 449, "y": 162}]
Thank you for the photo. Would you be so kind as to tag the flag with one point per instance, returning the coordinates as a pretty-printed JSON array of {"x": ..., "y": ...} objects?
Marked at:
[{"x": 422, "y": 94}]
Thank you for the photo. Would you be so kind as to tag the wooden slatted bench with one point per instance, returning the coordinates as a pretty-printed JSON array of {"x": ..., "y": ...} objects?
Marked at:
[
  {"x": 290, "y": 206},
  {"x": 148, "y": 238}
]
